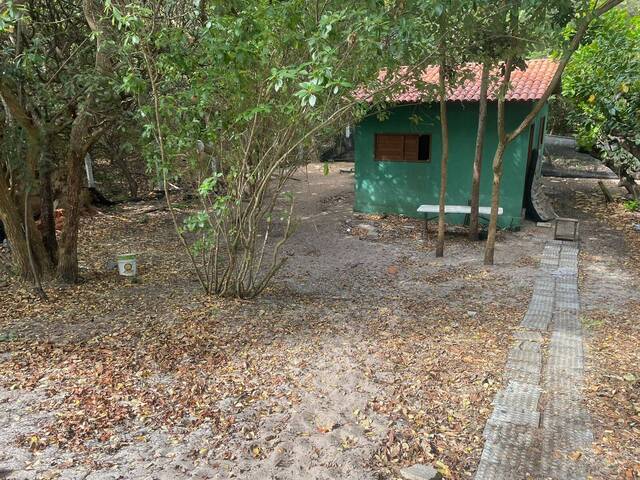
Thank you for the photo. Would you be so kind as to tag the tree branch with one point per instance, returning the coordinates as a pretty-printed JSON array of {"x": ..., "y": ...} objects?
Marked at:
[{"x": 564, "y": 60}]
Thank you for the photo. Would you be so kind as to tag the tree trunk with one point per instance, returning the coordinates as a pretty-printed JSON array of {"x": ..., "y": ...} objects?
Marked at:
[
  {"x": 627, "y": 179},
  {"x": 495, "y": 203},
  {"x": 37, "y": 277},
  {"x": 477, "y": 161},
  {"x": 79, "y": 142},
  {"x": 11, "y": 210},
  {"x": 443, "y": 160},
  {"x": 47, "y": 214},
  {"x": 503, "y": 141},
  {"x": 13, "y": 219},
  {"x": 121, "y": 163}
]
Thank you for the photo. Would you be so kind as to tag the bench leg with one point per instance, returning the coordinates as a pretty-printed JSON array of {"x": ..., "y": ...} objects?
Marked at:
[{"x": 425, "y": 234}]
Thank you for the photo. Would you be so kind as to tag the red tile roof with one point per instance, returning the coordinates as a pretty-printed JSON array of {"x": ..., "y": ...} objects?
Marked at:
[{"x": 529, "y": 84}]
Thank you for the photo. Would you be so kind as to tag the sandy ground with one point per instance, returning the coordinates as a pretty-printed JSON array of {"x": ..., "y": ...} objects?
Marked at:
[{"x": 367, "y": 354}]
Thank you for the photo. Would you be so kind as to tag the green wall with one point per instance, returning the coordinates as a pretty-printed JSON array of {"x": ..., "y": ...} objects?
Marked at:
[{"x": 400, "y": 187}]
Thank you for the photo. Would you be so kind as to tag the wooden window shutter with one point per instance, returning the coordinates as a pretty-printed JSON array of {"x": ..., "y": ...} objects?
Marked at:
[
  {"x": 402, "y": 147},
  {"x": 389, "y": 147},
  {"x": 411, "y": 147}
]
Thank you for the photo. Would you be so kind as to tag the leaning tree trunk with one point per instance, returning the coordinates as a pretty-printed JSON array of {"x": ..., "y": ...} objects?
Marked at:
[
  {"x": 443, "y": 160},
  {"x": 627, "y": 180},
  {"x": 120, "y": 162},
  {"x": 79, "y": 141},
  {"x": 503, "y": 141},
  {"x": 477, "y": 161},
  {"x": 495, "y": 203}
]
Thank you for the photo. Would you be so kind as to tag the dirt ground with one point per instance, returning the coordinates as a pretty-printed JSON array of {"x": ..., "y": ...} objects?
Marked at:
[{"x": 366, "y": 355}]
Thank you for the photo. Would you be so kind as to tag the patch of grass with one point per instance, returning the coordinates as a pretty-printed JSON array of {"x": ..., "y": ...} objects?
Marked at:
[
  {"x": 592, "y": 323},
  {"x": 181, "y": 205},
  {"x": 7, "y": 336},
  {"x": 632, "y": 205}
]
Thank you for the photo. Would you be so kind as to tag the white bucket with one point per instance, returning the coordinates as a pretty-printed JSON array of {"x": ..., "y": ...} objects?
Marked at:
[{"x": 127, "y": 265}]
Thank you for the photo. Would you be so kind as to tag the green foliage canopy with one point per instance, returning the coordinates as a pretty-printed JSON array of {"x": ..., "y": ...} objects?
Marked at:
[{"x": 602, "y": 83}]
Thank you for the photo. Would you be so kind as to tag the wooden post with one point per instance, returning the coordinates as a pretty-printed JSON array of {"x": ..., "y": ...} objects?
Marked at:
[
  {"x": 88, "y": 166},
  {"x": 608, "y": 198},
  {"x": 425, "y": 234}
]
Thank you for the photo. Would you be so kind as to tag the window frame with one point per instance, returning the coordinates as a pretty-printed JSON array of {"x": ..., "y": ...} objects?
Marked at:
[
  {"x": 375, "y": 147},
  {"x": 541, "y": 133}
]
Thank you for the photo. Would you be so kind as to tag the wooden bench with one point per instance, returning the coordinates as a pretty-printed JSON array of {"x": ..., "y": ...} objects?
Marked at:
[{"x": 463, "y": 209}]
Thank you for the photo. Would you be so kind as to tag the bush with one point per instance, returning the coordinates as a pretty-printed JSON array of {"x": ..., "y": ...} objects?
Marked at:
[
  {"x": 587, "y": 138},
  {"x": 632, "y": 205}
]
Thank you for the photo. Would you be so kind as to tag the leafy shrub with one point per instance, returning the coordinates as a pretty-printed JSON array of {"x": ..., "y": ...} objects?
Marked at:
[
  {"x": 587, "y": 138},
  {"x": 602, "y": 83},
  {"x": 632, "y": 205}
]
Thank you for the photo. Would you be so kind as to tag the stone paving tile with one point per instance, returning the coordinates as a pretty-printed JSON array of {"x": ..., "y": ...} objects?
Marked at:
[
  {"x": 505, "y": 461},
  {"x": 503, "y": 470},
  {"x": 566, "y": 316},
  {"x": 515, "y": 434},
  {"x": 565, "y": 386},
  {"x": 566, "y": 340},
  {"x": 527, "y": 367},
  {"x": 565, "y": 436},
  {"x": 557, "y": 463},
  {"x": 528, "y": 336},
  {"x": 565, "y": 362},
  {"x": 521, "y": 441},
  {"x": 512, "y": 374},
  {"x": 503, "y": 414},
  {"x": 564, "y": 405},
  {"x": 561, "y": 350},
  {"x": 568, "y": 306},
  {"x": 538, "y": 323},
  {"x": 564, "y": 271},
  {"x": 543, "y": 285},
  {"x": 527, "y": 345},
  {"x": 568, "y": 325},
  {"x": 519, "y": 397},
  {"x": 526, "y": 356}
]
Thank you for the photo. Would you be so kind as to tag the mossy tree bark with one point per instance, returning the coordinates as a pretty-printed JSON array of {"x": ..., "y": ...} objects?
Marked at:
[{"x": 12, "y": 196}]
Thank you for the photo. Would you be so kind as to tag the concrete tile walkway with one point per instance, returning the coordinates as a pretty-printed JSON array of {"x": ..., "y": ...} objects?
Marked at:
[{"x": 539, "y": 427}]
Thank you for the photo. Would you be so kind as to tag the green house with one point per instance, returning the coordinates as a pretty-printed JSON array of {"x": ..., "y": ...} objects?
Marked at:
[{"x": 397, "y": 154}]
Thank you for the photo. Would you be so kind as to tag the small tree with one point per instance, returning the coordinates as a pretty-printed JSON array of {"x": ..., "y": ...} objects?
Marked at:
[
  {"x": 55, "y": 93},
  {"x": 240, "y": 107},
  {"x": 582, "y": 21}
]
